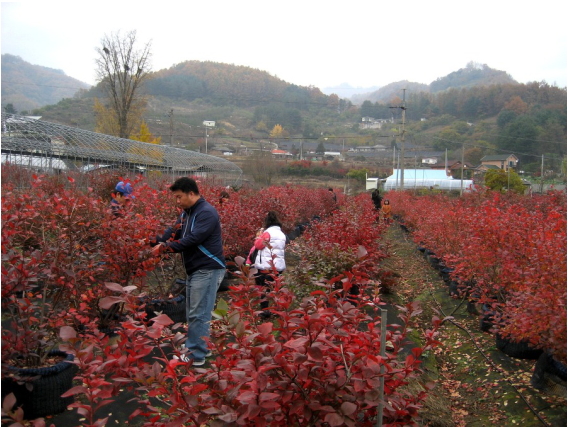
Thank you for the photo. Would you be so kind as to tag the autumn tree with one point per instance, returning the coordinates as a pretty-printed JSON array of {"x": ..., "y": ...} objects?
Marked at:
[
  {"x": 278, "y": 132},
  {"x": 121, "y": 70},
  {"x": 261, "y": 126},
  {"x": 145, "y": 135},
  {"x": 504, "y": 181},
  {"x": 263, "y": 167},
  {"x": 517, "y": 105}
]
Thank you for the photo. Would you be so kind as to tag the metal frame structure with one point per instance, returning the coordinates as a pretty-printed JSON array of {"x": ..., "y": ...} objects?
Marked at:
[{"x": 34, "y": 143}]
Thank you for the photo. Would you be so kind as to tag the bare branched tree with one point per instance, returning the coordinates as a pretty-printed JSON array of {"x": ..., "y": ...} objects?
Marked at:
[
  {"x": 262, "y": 167},
  {"x": 122, "y": 71}
]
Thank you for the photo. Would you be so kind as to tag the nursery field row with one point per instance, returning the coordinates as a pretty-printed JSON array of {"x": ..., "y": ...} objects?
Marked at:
[
  {"x": 78, "y": 278},
  {"x": 506, "y": 253}
]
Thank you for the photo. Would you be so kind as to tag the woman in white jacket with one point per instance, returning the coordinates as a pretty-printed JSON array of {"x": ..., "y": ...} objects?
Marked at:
[{"x": 269, "y": 261}]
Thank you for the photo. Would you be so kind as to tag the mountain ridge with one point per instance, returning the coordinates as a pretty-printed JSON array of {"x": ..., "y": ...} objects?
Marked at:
[
  {"x": 28, "y": 86},
  {"x": 190, "y": 78},
  {"x": 473, "y": 74}
]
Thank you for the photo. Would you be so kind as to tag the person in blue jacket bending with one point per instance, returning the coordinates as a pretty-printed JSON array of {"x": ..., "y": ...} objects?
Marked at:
[{"x": 197, "y": 236}]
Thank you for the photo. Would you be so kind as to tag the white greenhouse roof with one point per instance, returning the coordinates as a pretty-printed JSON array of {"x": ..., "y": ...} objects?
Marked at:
[
  {"x": 436, "y": 178},
  {"x": 34, "y": 161}
]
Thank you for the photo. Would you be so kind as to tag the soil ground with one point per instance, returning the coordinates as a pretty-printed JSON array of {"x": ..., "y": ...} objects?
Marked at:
[{"x": 476, "y": 384}]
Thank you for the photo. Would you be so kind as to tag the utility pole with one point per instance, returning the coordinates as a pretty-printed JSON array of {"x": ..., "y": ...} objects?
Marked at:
[
  {"x": 461, "y": 182},
  {"x": 171, "y": 116},
  {"x": 542, "y": 175},
  {"x": 401, "y": 154}
]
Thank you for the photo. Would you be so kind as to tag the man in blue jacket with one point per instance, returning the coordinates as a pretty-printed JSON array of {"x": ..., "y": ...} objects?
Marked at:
[{"x": 197, "y": 236}]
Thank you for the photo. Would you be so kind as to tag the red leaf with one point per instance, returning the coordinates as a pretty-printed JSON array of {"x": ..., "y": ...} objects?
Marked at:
[
  {"x": 315, "y": 353},
  {"x": 296, "y": 344},
  {"x": 334, "y": 419},
  {"x": 9, "y": 402},
  {"x": 266, "y": 328},
  {"x": 114, "y": 286},
  {"x": 107, "y": 302},
  {"x": 162, "y": 319},
  {"x": 267, "y": 396},
  {"x": 75, "y": 390},
  {"x": 348, "y": 408},
  {"x": 67, "y": 332}
]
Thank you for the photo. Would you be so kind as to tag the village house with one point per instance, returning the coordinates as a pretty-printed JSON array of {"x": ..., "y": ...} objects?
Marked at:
[{"x": 503, "y": 162}]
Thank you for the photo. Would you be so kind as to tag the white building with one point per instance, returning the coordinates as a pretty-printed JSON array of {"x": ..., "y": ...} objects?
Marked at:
[{"x": 426, "y": 178}]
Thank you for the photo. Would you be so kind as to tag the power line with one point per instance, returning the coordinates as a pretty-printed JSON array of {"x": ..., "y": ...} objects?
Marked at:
[
  {"x": 528, "y": 139},
  {"x": 495, "y": 149}
]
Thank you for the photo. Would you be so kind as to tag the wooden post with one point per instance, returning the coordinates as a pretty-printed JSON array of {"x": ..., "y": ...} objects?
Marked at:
[{"x": 383, "y": 355}]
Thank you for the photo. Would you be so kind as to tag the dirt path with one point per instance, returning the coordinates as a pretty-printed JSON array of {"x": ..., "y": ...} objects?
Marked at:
[{"x": 476, "y": 384}]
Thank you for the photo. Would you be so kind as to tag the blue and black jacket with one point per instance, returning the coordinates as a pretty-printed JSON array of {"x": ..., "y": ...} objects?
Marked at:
[{"x": 197, "y": 236}]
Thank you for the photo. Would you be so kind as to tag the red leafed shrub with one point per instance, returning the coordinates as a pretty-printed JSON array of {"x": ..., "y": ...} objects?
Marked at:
[
  {"x": 317, "y": 363},
  {"x": 244, "y": 213},
  {"x": 65, "y": 255},
  {"x": 337, "y": 242},
  {"x": 509, "y": 249}
]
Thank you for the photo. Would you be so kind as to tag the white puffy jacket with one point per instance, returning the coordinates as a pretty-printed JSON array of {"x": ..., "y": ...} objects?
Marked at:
[{"x": 274, "y": 251}]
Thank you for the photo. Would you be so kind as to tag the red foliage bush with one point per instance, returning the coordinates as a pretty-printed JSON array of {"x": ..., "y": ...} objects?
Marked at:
[
  {"x": 316, "y": 364},
  {"x": 510, "y": 250}
]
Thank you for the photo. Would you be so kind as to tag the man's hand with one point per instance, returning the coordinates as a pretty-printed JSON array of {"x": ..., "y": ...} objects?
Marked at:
[{"x": 158, "y": 249}]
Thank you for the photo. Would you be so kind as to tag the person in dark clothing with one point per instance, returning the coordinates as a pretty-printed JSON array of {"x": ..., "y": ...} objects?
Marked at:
[
  {"x": 197, "y": 236},
  {"x": 377, "y": 199},
  {"x": 333, "y": 195},
  {"x": 121, "y": 197},
  {"x": 223, "y": 197}
]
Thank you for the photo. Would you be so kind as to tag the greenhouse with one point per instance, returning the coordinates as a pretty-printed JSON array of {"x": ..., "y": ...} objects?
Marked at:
[
  {"x": 50, "y": 147},
  {"x": 426, "y": 178}
]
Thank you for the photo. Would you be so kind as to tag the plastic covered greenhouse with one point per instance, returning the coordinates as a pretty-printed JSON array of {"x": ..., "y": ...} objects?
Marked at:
[
  {"x": 426, "y": 178},
  {"x": 51, "y": 147}
]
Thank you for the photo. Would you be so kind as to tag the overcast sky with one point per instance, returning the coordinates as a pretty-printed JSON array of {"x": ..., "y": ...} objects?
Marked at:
[{"x": 308, "y": 42}]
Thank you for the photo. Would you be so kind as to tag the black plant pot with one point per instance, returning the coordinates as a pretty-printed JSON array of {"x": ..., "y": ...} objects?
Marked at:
[
  {"x": 453, "y": 288},
  {"x": 445, "y": 273},
  {"x": 486, "y": 318},
  {"x": 40, "y": 395},
  {"x": 520, "y": 350},
  {"x": 174, "y": 308},
  {"x": 547, "y": 367}
]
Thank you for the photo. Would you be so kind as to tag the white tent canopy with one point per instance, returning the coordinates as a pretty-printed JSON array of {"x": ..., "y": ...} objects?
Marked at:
[{"x": 425, "y": 178}]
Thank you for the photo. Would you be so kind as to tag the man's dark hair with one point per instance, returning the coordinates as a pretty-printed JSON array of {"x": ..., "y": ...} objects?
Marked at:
[{"x": 186, "y": 185}]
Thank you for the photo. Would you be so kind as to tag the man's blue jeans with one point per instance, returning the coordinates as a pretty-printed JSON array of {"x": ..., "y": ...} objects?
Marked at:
[{"x": 201, "y": 290}]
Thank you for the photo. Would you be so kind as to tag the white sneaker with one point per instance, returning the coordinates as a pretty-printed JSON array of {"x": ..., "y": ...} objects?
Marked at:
[
  {"x": 198, "y": 363},
  {"x": 182, "y": 349},
  {"x": 187, "y": 359}
]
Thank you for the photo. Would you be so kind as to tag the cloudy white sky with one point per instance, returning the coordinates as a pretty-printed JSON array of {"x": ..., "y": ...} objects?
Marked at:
[{"x": 308, "y": 42}]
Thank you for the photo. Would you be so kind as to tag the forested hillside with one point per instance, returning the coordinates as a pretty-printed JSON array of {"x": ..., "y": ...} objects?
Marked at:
[
  {"x": 473, "y": 75},
  {"x": 222, "y": 83},
  {"x": 481, "y": 116},
  {"x": 29, "y": 87}
]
